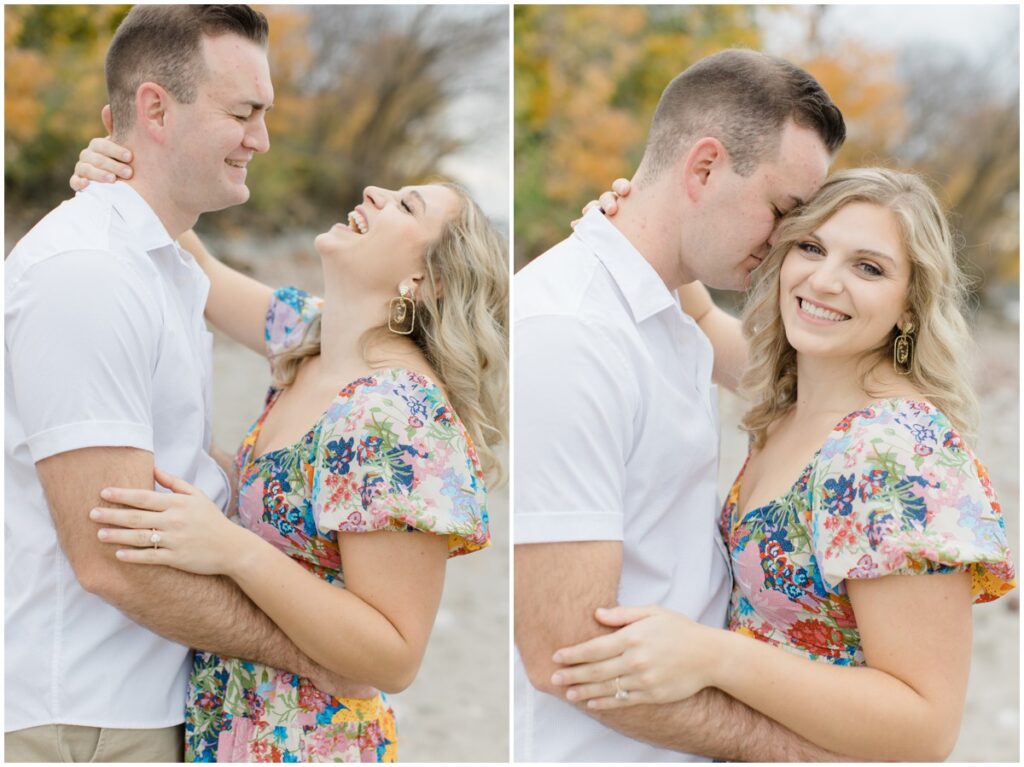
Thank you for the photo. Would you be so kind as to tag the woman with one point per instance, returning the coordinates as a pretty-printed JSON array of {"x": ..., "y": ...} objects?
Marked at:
[
  {"x": 857, "y": 383},
  {"x": 387, "y": 397}
]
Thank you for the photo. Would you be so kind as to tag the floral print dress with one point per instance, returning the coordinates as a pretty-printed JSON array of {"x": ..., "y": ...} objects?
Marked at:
[
  {"x": 388, "y": 454},
  {"x": 893, "y": 490}
]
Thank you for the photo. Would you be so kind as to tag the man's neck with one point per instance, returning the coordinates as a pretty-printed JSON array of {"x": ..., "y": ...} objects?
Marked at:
[
  {"x": 148, "y": 179},
  {"x": 174, "y": 220},
  {"x": 649, "y": 219}
]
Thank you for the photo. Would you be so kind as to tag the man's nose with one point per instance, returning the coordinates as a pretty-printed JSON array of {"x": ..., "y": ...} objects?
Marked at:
[{"x": 257, "y": 138}]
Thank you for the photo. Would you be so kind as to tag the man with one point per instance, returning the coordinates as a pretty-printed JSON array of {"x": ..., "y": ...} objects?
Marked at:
[
  {"x": 108, "y": 375},
  {"x": 616, "y": 416}
]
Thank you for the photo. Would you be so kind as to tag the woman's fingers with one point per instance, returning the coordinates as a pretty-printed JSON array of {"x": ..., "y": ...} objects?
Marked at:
[
  {"x": 173, "y": 483},
  {"x": 622, "y": 187},
  {"x": 609, "y": 203},
  {"x": 133, "y": 518},
  {"x": 603, "y": 694},
  {"x": 623, "y": 615},
  {"x": 586, "y": 673},
  {"x": 589, "y": 206},
  {"x": 591, "y": 651},
  {"x": 141, "y": 538},
  {"x": 139, "y": 499},
  {"x": 105, "y": 147},
  {"x": 148, "y": 556},
  {"x": 609, "y": 702}
]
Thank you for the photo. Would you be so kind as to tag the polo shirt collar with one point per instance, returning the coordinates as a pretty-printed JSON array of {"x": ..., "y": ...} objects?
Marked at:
[
  {"x": 644, "y": 291},
  {"x": 148, "y": 231}
]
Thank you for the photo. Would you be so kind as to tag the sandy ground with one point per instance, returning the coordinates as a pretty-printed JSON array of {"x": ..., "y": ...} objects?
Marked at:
[
  {"x": 991, "y": 724},
  {"x": 457, "y": 709}
]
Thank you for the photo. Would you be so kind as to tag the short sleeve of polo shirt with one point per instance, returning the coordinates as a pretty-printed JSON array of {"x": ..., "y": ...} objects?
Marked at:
[
  {"x": 574, "y": 416},
  {"x": 82, "y": 338}
]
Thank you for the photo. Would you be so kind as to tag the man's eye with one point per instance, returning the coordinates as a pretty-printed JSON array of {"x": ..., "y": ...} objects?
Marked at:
[{"x": 777, "y": 213}]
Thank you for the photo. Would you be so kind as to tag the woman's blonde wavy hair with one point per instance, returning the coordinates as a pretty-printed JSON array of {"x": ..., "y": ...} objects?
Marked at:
[
  {"x": 461, "y": 327},
  {"x": 936, "y": 302}
]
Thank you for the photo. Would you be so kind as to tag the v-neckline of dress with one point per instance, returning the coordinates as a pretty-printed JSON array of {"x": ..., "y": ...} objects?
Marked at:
[
  {"x": 252, "y": 459},
  {"x": 803, "y": 473}
]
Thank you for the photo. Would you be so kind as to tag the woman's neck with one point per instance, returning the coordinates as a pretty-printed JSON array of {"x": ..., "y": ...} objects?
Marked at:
[
  {"x": 829, "y": 386},
  {"x": 346, "y": 318}
]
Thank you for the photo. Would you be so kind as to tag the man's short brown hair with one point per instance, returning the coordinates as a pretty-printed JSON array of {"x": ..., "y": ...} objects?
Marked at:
[
  {"x": 743, "y": 98},
  {"x": 162, "y": 44}
]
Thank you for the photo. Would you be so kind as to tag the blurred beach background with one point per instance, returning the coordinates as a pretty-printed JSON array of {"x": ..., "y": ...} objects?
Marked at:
[
  {"x": 363, "y": 95},
  {"x": 933, "y": 89}
]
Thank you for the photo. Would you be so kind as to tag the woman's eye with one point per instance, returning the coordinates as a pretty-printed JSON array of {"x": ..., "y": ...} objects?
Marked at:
[
  {"x": 406, "y": 206},
  {"x": 871, "y": 269},
  {"x": 810, "y": 247}
]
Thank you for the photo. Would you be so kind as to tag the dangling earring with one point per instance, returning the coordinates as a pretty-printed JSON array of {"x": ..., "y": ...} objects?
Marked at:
[
  {"x": 903, "y": 351},
  {"x": 402, "y": 312}
]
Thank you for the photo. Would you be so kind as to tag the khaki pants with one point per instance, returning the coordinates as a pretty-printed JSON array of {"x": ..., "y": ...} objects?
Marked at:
[{"x": 71, "y": 743}]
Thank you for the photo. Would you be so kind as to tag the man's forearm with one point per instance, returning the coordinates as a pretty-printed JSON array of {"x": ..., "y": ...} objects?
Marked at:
[
  {"x": 713, "y": 724},
  {"x": 209, "y": 613}
]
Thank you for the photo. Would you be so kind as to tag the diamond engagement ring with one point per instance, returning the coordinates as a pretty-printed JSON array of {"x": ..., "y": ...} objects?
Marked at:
[
  {"x": 155, "y": 539},
  {"x": 620, "y": 694}
]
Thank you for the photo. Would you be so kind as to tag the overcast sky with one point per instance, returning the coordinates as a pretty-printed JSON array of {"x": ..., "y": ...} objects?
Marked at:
[{"x": 985, "y": 33}]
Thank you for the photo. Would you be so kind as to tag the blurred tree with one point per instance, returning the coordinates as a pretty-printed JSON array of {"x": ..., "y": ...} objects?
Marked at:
[
  {"x": 930, "y": 109},
  {"x": 964, "y": 135},
  {"x": 363, "y": 95},
  {"x": 54, "y": 88},
  {"x": 582, "y": 109}
]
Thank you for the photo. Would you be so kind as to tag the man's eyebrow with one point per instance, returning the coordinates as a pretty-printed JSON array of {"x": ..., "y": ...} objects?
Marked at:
[{"x": 258, "y": 105}]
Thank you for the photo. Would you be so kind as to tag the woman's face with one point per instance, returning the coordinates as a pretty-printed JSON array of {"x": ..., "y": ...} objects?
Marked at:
[
  {"x": 843, "y": 288},
  {"x": 384, "y": 240}
]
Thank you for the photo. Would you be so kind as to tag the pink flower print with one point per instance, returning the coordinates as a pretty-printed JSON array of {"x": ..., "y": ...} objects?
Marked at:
[
  {"x": 922, "y": 450},
  {"x": 380, "y": 516},
  {"x": 414, "y": 421},
  {"x": 353, "y": 521},
  {"x": 310, "y": 698},
  {"x": 865, "y": 568}
]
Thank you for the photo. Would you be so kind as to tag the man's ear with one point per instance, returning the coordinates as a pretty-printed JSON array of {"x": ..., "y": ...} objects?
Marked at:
[
  {"x": 705, "y": 156},
  {"x": 108, "y": 119},
  {"x": 151, "y": 102}
]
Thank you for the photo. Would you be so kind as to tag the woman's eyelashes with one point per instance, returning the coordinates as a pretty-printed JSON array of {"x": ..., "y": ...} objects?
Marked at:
[
  {"x": 870, "y": 269},
  {"x": 866, "y": 268},
  {"x": 407, "y": 208}
]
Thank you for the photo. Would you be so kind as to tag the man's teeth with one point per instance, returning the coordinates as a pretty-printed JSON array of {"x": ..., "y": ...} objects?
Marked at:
[
  {"x": 357, "y": 223},
  {"x": 823, "y": 314},
  {"x": 235, "y": 164}
]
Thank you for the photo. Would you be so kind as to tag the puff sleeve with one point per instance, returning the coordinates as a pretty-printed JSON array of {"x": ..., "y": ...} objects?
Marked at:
[
  {"x": 289, "y": 315},
  {"x": 392, "y": 455},
  {"x": 896, "y": 491}
]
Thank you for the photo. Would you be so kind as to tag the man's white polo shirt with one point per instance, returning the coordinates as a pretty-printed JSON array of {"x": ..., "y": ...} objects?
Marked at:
[
  {"x": 616, "y": 438},
  {"x": 105, "y": 346}
]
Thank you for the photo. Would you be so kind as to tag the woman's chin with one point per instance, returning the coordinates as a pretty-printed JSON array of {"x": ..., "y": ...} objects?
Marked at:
[{"x": 331, "y": 243}]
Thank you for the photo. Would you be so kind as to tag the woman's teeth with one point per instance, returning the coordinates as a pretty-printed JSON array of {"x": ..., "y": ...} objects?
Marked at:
[
  {"x": 357, "y": 223},
  {"x": 821, "y": 314}
]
